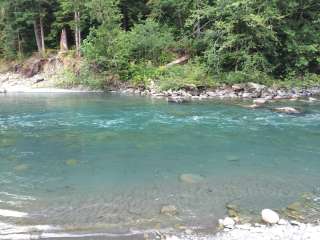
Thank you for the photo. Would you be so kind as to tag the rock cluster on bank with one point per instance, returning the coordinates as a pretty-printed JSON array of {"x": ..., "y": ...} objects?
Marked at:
[{"x": 258, "y": 92}]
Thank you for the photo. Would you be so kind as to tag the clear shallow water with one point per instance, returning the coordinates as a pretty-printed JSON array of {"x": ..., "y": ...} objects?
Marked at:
[{"x": 94, "y": 163}]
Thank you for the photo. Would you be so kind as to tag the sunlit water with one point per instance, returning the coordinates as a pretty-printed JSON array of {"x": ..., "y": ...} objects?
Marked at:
[{"x": 99, "y": 164}]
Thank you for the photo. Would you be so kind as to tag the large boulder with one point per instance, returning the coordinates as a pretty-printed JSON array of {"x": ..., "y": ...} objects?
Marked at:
[{"x": 270, "y": 216}]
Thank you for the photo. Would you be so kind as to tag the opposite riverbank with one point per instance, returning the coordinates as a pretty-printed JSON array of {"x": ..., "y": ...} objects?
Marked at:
[{"x": 47, "y": 82}]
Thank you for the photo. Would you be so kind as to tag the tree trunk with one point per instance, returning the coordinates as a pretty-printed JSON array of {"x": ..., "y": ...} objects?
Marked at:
[
  {"x": 19, "y": 46},
  {"x": 77, "y": 32},
  {"x": 43, "y": 48},
  {"x": 79, "y": 35},
  {"x": 63, "y": 41},
  {"x": 37, "y": 35}
]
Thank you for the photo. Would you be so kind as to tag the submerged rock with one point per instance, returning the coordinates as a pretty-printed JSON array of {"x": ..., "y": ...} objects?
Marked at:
[
  {"x": 191, "y": 178},
  {"x": 169, "y": 210},
  {"x": 270, "y": 216},
  {"x": 71, "y": 162},
  {"x": 21, "y": 167},
  {"x": 253, "y": 106},
  {"x": 233, "y": 211},
  {"x": 288, "y": 110}
]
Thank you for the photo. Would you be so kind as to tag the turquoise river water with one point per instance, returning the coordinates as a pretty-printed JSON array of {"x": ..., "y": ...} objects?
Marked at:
[{"x": 98, "y": 165}]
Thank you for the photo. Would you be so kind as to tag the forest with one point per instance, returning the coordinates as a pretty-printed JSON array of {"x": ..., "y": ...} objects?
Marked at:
[{"x": 221, "y": 41}]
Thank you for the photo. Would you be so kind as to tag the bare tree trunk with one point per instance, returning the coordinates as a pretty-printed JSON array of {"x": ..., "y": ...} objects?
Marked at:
[
  {"x": 79, "y": 35},
  {"x": 63, "y": 41},
  {"x": 36, "y": 33},
  {"x": 43, "y": 48},
  {"x": 19, "y": 45},
  {"x": 77, "y": 32}
]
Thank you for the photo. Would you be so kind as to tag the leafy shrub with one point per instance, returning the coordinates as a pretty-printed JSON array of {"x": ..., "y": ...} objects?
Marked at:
[
  {"x": 150, "y": 41},
  {"x": 191, "y": 74}
]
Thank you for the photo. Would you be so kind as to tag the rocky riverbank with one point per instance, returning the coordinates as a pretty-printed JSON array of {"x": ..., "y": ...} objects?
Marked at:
[
  {"x": 270, "y": 228},
  {"x": 236, "y": 91},
  {"x": 17, "y": 82}
]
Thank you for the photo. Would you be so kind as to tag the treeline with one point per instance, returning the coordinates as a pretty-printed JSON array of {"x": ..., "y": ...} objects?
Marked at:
[{"x": 226, "y": 40}]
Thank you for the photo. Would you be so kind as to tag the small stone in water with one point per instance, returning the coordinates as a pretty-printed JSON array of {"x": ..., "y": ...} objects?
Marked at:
[
  {"x": 270, "y": 216},
  {"x": 71, "y": 162},
  {"x": 169, "y": 210}
]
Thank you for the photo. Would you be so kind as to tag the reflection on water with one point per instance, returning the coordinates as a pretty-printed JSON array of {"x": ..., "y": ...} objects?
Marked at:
[{"x": 100, "y": 165}]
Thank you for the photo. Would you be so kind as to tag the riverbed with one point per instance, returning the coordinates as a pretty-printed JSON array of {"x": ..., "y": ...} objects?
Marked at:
[{"x": 104, "y": 165}]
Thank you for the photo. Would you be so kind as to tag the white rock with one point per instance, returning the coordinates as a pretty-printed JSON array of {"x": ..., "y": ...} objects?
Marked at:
[
  {"x": 270, "y": 216},
  {"x": 311, "y": 99},
  {"x": 283, "y": 222},
  {"x": 172, "y": 238},
  {"x": 188, "y": 231},
  {"x": 227, "y": 222}
]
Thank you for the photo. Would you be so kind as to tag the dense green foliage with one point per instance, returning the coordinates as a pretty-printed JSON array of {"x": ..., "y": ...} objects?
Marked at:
[{"x": 228, "y": 40}]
